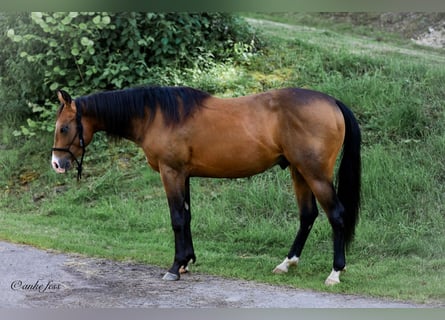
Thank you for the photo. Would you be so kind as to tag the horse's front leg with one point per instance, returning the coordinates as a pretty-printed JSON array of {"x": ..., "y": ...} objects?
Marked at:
[
  {"x": 177, "y": 189},
  {"x": 190, "y": 251}
]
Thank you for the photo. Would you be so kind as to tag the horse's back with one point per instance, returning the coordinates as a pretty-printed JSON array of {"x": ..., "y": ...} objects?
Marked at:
[{"x": 239, "y": 137}]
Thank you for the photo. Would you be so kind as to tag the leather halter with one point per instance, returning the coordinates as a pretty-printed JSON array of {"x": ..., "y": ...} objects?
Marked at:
[{"x": 79, "y": 133}]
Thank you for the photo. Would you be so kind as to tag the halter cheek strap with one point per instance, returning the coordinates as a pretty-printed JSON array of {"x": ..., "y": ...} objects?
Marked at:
[{"x": 79, "y": 133}]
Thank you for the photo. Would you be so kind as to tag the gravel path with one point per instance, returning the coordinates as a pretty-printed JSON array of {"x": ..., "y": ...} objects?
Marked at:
[{"x": 36, "y": 278}]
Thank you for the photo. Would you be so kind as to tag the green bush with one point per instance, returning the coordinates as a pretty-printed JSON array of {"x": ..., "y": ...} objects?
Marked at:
[
  {"x": 14, "y": 69},
  {"x": 85, "y": 52}
]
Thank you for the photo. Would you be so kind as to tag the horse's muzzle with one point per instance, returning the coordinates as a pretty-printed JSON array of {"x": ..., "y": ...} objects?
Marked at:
[{"x": 61, "y": 165}]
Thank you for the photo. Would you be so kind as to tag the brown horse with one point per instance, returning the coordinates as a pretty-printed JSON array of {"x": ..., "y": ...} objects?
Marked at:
[{"x": 187, "y": 133}]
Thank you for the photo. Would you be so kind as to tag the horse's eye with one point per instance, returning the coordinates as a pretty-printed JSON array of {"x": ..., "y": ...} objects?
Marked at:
[{"x": 64, "y": 129}]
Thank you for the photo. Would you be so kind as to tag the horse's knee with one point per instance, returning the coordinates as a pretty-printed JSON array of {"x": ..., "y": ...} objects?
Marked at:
[
  {"x": 308, "y": 214},
  {"x": 336, "y": 221},
  {"x": 178, "y": 221},
  {"x": 177, "y": 226},
  {"x": 335, "y": 217}
]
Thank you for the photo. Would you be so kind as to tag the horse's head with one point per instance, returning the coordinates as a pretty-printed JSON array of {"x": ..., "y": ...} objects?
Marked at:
[{"x": 70, "y": 136}]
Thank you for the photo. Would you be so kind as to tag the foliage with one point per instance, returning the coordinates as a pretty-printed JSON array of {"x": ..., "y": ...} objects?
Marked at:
[
  {"x": 87, "y": 51},
  {"x": 13, "y": 68}
]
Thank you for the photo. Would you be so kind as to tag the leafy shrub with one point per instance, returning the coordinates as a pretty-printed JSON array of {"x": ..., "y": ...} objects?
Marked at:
[
  {"x": 85, "y": 52},
  {"x": 13, "y": 68}
]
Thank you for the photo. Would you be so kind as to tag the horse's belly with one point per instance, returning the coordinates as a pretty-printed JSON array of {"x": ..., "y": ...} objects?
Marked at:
[{"x": 232, "y": 164}]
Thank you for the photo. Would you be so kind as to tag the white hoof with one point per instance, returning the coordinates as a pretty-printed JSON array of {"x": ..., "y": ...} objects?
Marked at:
[
  {"x": 284, "y": 266},
  {"x": 333, "y": 279}
]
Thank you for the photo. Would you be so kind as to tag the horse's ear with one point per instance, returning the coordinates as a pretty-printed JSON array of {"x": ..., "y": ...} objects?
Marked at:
[{"x": 64, "y": 97}]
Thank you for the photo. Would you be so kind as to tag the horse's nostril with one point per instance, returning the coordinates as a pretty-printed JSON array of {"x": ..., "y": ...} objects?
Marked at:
[{"x": 55, "y": 165}]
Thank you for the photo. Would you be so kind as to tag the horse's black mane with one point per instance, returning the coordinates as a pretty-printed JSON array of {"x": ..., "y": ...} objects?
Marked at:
[{"x": 117, "y": 108}]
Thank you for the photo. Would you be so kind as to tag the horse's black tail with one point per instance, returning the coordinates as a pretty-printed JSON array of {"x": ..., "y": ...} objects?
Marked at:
[{"x": 349, "y": 173}]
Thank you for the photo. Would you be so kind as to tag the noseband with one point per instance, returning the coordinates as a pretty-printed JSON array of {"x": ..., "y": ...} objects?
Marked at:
[{"x": 79, "y": 133}]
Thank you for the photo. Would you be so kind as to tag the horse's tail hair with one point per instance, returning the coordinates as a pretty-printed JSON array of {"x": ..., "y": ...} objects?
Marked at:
[{"x": 349, "y": 173}]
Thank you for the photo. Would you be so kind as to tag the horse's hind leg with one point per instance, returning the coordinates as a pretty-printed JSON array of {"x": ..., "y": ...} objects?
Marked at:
[
  {"x": 327, "y": 197},
  {"x": 308, "y": 214}
]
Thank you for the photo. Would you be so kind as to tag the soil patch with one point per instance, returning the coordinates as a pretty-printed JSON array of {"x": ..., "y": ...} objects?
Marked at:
[{"x": 42, "y": 278}]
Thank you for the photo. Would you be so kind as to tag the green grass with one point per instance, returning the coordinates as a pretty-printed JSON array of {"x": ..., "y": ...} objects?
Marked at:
[{"x": 243, "y": 228}]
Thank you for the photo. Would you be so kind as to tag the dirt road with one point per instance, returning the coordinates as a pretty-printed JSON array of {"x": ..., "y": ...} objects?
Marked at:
[{"x": 38, "y": 278}]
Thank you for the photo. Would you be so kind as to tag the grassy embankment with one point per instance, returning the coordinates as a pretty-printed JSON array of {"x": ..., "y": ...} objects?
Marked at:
[{"x": 242, "y": 228}]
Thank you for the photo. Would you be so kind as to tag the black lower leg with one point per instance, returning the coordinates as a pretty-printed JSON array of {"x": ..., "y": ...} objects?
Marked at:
[
  {"x": 336, "y": 220},
  {"x": 180, "y": 256},
  {"x": 190, "y": 252},
  {"x": 184, "y": 251},
  {"x": 308, "y": 214},
  {"x": 176, "y": 186}
]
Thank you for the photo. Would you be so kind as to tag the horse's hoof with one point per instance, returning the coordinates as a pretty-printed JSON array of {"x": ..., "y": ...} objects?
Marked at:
[
  {"x": 331, "y": 282},
  {"x": 284, "y": 266},
  {"x": 170, "y": 277},
  {"x": 333, "y": 279},
  {"x": 278, "y": 270}
]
